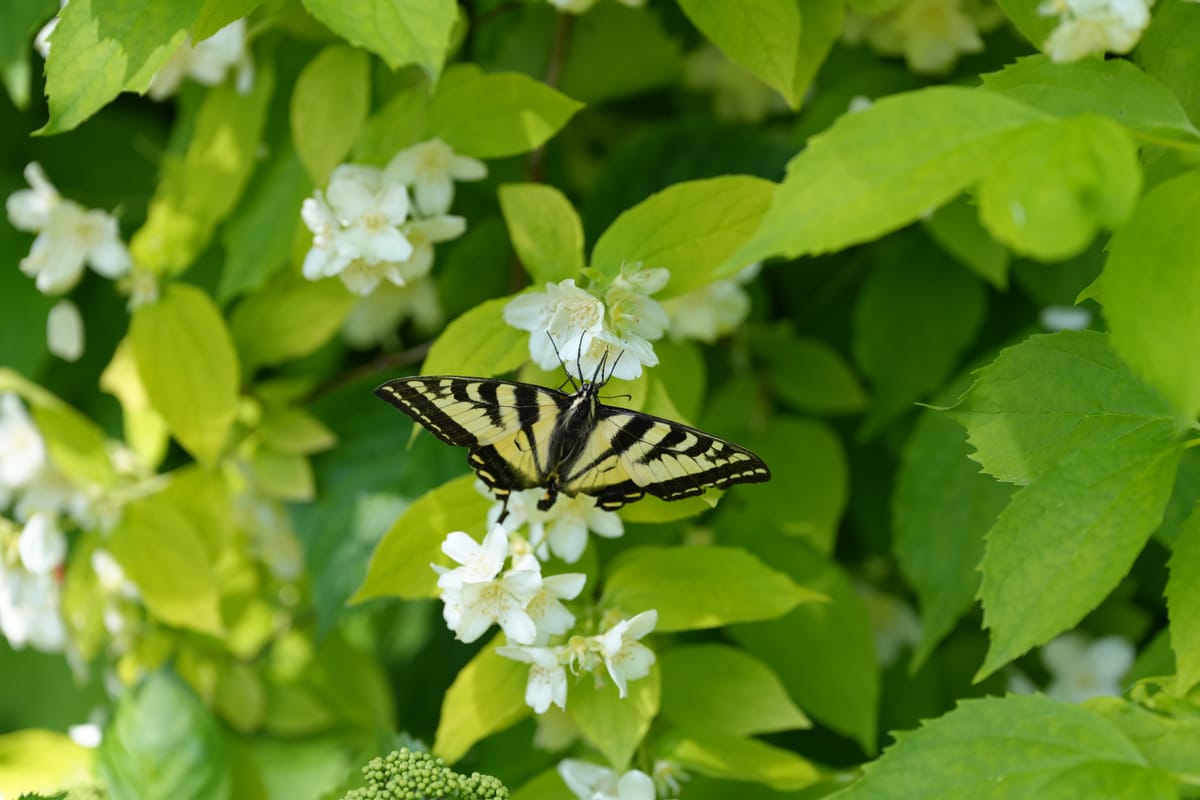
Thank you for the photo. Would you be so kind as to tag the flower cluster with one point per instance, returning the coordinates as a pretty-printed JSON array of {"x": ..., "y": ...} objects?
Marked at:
[
  {"x": 1094, "y": 27},
  {"x": 361, "y": 226},
  {"x": 613, "y": 322},
  {"x": 1080, "y": 668},
  {"x": 929, "y": 34},
  {"x": 529, "y": 608},
  {"x": 69, "y": 237},
  {"x": 561, "y": 530}
]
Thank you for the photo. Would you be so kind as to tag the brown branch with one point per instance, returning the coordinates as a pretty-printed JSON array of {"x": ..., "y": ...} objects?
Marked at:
[{"x": 383, "y": 363}]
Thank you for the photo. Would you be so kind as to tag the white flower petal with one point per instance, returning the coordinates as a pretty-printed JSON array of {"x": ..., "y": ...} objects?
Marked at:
[
  {"x": 465, "y": 168},
  {"x": 64, "y": 331},
  {"x": 42, "y": 545},
  {"x": 434, "y": 195}
]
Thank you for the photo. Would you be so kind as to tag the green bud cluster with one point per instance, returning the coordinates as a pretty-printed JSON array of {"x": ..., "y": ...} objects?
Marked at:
[{"x": 411, "y": 775}]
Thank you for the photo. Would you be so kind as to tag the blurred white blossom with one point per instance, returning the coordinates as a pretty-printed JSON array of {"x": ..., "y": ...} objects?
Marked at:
[
  {"x": 30, "y": 601},
  {"x": 22, "y": 448},
  {"x": 64, "y": 331},
  {"x": 1065, "y": 318},
  {"x": 895, "y": 626},
  {"x": 713, "y": 310},
  {"x": 68, "y": 236},
  {"x": 431, "y": 168},
  {"x": 376, "y": 318},
  {"x": 1080, "y": 669},
  {"x": 929, "y": 34},
  {"x": 590, "y": 781},
  {"x": 42, "y": 545},
  {"x": 1094, "y": 27},
  {"x": 207, "y": 62}
]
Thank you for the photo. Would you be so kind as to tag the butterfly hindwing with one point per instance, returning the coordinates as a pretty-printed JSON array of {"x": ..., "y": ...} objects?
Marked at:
[{"x": 630, "y": 454}]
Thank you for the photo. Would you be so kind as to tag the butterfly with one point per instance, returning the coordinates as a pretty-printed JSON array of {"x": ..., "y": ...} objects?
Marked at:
[{"x": 522, "y": 436}]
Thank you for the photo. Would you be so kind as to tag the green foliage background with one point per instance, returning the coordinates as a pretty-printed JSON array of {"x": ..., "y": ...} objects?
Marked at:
[{"x": 927, "y": 437}]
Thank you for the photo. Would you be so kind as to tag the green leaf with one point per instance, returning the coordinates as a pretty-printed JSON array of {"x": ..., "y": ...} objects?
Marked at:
[
  {"x": 163, "y": 552},
  {"x": 544, "y": 230},
  {"x": 723, "y": 755},
  {"x": 1114, "y": 87},
  {"x": 1046, "y": 398},
  {"x": 1029, "y": 20},
  {"x": 821, "y": 23},
  {"x": 493, "y": 116},
  {"x": 1151, "y": 292},
  {"x": 292, "y": 430},
  {"x": 882, "y": 168},
  {"x": 1076, "y": 529},
  {"x": 1183, "y": 598},
  {"x": 399, "y": 124},
  {"x": 478, "y": 343},
  {"x": 200, "y": 189},
  {"x": 283, "y": 476},
  {"x": 1010, "y": 749},
  {"x": 956, "y": 228},
  {"x": 613, "y": 725},
  {"x": 915, "y": 316},
  {"x": 689, "y": 228},
  {"x": 400, "y": 564},
  {"x": 288, "y": 318},
  {"x": 1165, "y": 54},
  {"x": 650, "y": 59},
  {"x": 721, "y": 688},
  {"x": 103, "y": 46},
  {"x": 840, "y": 687},
  {"x": 40, "y": 760},
  {"x": 701, "y": 587},
  {"x": 258, "y": 238},
  {"x": 809, "y": 375},
  {"x": 399, "y": 31},
  {"x": 216, "y": 14},
  {"x": 766, "y": 42},
  {"x": 487, "y": 696},
  {"x": 188, "y": 366},
  {"x": 18, "y": 23},
  {"x": 1063, "y": 181},
  {"x": 1169, "y": 744},
  {"x": 941, "y": 508},
  {"x": 809, "y": 486},
  {"x": 163, "y": 742},
  {"x": 329, "y": 103}
]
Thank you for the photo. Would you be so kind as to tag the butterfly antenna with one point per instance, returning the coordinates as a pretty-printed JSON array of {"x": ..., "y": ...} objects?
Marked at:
[
  {"x": 562, "y": 363},
  {"x": 616, "y": 361},
  {"x": 600, "y": 370}
]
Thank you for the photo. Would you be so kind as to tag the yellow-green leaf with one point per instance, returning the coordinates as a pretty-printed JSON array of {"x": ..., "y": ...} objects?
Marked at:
[
  {"x": 329, "y": 104},
  {"x": 487, "y": 696},
  {"x": 544, "y": 230}
]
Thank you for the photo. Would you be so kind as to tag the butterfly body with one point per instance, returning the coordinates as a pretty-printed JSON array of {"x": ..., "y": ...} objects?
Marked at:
[{"x": 522, "y": 436}]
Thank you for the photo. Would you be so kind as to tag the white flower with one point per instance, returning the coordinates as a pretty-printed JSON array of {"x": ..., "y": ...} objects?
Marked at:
[
  {"x": 423, "y": 234},
  {"x": 625, "y": 657},
  {"x": 1094, "y": 27},
  {"x": 110, "y": 576},
  {"x": 22, "y": 449},
  {"x": 42, "y": 545},
  {"x": 207, "y": 62},
  {"x": 69, "y": 236},
  {"x": 859, "y": 103},
  {"x": 570, "y": 519},
  {"x": 547, "y": 678},
  {"x": 930, "y": 34},
  {"x": 590, "y": 781},
  {"x": 500, "y": 601},
  {"x": 375, "y": 319},
  {"x": 583, "y": 6},
  {"x": 545, "y": 608},
  {"x": 64, "y": 331},
  {"x": 87, "y": 734},
  {"x": 1065, "y": 318},
  {"x": 563, "y": 317},
  {"x": 575, "y": 325},
  {"x": 29, "y": 610},
  {"x": 1080, "y": 669},
  {"x": 431, "y": 168},
  {"x": 29, "y": 209},
  {"x": 712, "y": 311},
  {"x": 356, "y": 229},
  {"x": 479, "y": 562},
  {"x": 667, "y": 777}
]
